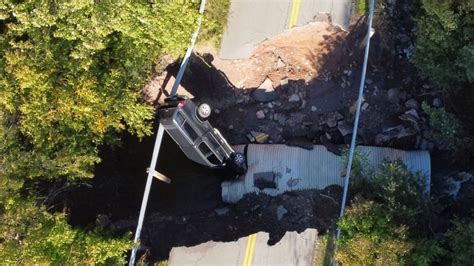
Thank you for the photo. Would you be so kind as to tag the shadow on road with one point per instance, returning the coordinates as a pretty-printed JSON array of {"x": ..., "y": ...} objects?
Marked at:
[
  {"x": 192, "y": 222},
  {"x": 190, "y": 211}
]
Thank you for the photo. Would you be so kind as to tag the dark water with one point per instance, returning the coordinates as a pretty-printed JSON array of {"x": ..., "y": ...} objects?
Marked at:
[{"x": 118, "y": 187}]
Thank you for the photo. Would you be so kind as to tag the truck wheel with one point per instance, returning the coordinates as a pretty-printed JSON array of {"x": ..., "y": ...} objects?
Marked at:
[
  {"x": 203, "y": 111},
  {"x": 238, "y": 163}
]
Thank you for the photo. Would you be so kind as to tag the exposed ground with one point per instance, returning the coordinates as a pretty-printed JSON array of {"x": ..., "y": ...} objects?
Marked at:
[
  {"x": 295, "y": 211},
  {"x": 300, "y": 88},
  {"x": 314, "y": 73}
]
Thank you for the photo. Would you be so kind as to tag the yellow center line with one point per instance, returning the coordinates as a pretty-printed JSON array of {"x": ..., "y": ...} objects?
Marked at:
[
  {"x": 298, "y": 2},
  {"x": 294, "y": 13},
  {"x": 249, "y": 250},
  {"x": 252, "y": 248}
]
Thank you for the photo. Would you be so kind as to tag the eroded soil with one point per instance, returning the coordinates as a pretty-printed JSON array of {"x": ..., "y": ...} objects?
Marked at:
[{"x": 314, "y": 73}]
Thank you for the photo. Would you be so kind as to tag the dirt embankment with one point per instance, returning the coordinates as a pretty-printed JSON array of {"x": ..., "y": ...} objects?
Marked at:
[
  {"x": 292, "y": 211},
  {"x": 297, "y": 54},
  {"x": 299, "y": 88}
]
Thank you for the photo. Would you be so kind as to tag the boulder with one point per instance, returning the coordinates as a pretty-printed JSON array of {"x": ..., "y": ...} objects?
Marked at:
[
  {"x": 281, "y": 119},
  {"x": 344, "y": 128},
  {"x": 294, "y": 98},
  {"x": 382, "y": 139},
  {"x": 265, "y": 92},
  {"x": 364, "y": 106},
  {"x": 459, "y": 186},
  {"x": 426, "y": 145},
  {"x": 392, "y": 95},
  {"x": 413, "y": 113},
  {"x": 329, "y": 145},
  {"x": 403, "y": 96},
  {"x": 437, "y": 102},
  {"x": 398, "y": 136},
  {"x": 300, "y": 142},
  {"x": 260, "y": 114},
  {"x": 352, "y": 109},
  {"x": 412, "y": 104},
  {"x": 331, "y": 123},
  {"x": 333, "y": 118},
  {"x": 280, "y": 63},
  {"x": 221, "y": 211},
  {"x": 280, "y": 212}
]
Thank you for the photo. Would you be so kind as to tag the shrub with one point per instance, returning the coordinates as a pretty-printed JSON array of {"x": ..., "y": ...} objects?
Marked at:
[
  {"x": 386, "y": 223},
  {"x": 401, "y": 192},
  {"x": 444, "y": 125},
  {"x": 362, "y": 7},
  {"x": 444, "y": 50},
  {"x": 370, "y": 237},
  {"x": 215, "y": 22},
  {"x": 30, "y": 235},
  {"x": 360, "y": 170},
  {"x": 71, "y": 74},
  {"x": 460, "y": 241}
]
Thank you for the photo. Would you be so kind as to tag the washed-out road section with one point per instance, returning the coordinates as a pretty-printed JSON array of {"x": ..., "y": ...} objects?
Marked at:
[
  {"x": 251, "y": 22},
  {"x": 293, "y": 249}
]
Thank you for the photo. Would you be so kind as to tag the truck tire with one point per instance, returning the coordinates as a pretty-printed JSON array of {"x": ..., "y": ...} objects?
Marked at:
[
  {"x": 203, "y": 111},
  {"x": 238, "y": 163}
]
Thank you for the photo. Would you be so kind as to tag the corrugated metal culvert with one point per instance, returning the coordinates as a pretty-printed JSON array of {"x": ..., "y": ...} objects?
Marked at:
[{"x": 299, "y": 169}]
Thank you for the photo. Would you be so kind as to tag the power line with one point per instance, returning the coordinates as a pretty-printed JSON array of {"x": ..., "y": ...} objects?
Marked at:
[
  {"x": 185, "y": 61},
  {"x": 357, "y": 116},
  {"x": 159, "y": 138}
]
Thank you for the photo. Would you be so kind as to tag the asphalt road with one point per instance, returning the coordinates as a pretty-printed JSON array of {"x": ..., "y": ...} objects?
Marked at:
[
  {"x": 251, "y": 22},
  {"x": 293, "y": 249}
]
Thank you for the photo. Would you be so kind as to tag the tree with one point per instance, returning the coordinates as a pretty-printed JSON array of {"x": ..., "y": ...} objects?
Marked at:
[
  {"x": 71, "y": 73},
  {"x": 370, "y": 237},
  {"x": 444, "y": 50},
  {"x": 460, "y": 240},
  {"x": 444, "y": 125},
  {"x": 386, "y": 223},
  {"x": 31, "y": 235}
]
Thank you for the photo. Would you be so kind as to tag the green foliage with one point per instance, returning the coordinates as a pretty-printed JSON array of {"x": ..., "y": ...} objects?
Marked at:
[
  {"x": 444, "y": 125},
  {"x": 215, "y": 22},
  {"x": 386, "y": 223},
  {"x": 444, "y": 50},
  {"x": 31, "y": 235},
  {"x": 362, "y": 7},
  {"x": 359, "y": 162},
  {"x": 71, "y": 73},
  {"x": 401, "y": 192},
  {"x": 370, "y": 237},
  {"x": 460, "y": 240},
  {"x": 360, "y": 169}
]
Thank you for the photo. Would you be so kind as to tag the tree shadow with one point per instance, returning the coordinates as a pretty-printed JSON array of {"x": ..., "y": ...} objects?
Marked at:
[
  {"x": 191, "y": 222},
  {"x": 188, "y": 211},
  {"x": 284, "y": 121}
]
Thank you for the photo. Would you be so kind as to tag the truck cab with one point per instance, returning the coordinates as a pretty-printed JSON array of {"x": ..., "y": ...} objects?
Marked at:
[{"x": 187, "y": 125}]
